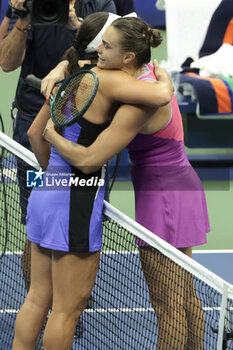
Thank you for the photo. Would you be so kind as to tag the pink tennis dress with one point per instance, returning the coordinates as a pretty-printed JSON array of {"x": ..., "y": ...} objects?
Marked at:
[{"x": 169, "y": 197}]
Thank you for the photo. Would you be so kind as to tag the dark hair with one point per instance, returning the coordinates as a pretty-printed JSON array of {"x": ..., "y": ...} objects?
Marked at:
[
  {"x": 137, "y": 36},
  {"x": 88, "y": 30}
]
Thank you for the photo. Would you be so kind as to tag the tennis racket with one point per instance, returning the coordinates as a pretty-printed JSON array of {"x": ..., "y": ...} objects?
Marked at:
[{"x": 73, "y": 97}]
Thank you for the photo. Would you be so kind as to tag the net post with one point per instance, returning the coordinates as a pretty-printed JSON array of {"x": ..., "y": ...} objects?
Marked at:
[{"x": 223, "y": 310}]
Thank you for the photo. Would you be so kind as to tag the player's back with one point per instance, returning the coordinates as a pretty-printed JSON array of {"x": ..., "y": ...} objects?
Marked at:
[{"x": 161, "y": 141}]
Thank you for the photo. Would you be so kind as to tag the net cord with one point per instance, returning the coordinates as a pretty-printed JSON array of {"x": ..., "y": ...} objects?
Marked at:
[
  {"x": 110, "y": 211},
  {"x": 18, "y": 150}
]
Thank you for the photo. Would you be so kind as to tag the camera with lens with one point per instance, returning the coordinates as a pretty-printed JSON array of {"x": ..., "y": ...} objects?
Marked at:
[
  {"x": 28, "y": 6},
  {"x": 45, "y": 11}
]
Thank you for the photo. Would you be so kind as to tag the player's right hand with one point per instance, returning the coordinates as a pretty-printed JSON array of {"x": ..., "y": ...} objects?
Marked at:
[{"x": 162, "y": 74}]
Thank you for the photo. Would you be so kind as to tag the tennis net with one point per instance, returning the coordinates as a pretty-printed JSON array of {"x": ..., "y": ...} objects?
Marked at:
[{"x": 149, "y": 298}]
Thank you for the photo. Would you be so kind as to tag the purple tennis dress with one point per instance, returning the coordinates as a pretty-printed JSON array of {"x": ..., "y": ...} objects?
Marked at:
[
  {"x": 66, "y": 212},
  {"x": 169, "y": 197}
]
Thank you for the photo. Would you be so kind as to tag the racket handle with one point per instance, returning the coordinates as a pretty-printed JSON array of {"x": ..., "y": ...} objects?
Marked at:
[{"x": 33, "y": 81}]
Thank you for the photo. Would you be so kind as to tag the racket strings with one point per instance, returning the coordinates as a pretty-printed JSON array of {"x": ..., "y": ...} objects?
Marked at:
[
  {"x": 84, "y": 91},
  {"x": 72, "y": 100}
]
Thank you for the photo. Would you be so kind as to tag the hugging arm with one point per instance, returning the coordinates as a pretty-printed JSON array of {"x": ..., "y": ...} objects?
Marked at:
[
  {"x": 40, "y": 147},
  {"x": 122, "y": 86},
  {"x": 126, "y": 124}
]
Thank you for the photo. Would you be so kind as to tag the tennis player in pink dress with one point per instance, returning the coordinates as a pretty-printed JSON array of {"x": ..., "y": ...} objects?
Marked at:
[
  {"x": 169, "y": 197},
  {"x": 170, "y": 202}
]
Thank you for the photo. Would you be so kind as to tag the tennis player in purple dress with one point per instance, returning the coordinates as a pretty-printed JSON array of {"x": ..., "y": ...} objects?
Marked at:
[{"x": 66, "y": 213}]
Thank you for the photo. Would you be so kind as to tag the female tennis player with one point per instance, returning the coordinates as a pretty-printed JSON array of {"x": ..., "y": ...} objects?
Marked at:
[
  {"x": 169, "y": 197},
  {"x": 64, "y": 224}
]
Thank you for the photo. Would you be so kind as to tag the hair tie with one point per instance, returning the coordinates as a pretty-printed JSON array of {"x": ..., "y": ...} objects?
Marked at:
[
  {"x": 81, "y": 53},
  {"x": 75, "y": 45}
]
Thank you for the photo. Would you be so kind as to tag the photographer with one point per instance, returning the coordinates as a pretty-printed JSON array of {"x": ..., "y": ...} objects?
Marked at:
[{"x": 37, "y": 49}]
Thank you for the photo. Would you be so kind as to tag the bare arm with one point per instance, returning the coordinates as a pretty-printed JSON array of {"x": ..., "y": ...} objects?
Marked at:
[
  {"x": 40, "y": 147},
  {"x": 12, "y": 47},
  {"x": 127, "y": 123},
  {"x": 123, "y": 87},
  {"x": 4, "y": 27}
]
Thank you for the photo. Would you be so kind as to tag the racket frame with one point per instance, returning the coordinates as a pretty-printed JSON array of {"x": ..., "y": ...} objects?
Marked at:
[{"x": 62, "y": 87}]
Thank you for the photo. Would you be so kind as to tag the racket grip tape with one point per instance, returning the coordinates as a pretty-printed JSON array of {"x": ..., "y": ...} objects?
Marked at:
[{"x": 33, "y": 81}]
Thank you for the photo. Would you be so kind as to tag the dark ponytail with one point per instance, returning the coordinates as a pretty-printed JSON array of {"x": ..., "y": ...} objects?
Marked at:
[{"x": 72, "y": 56}]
